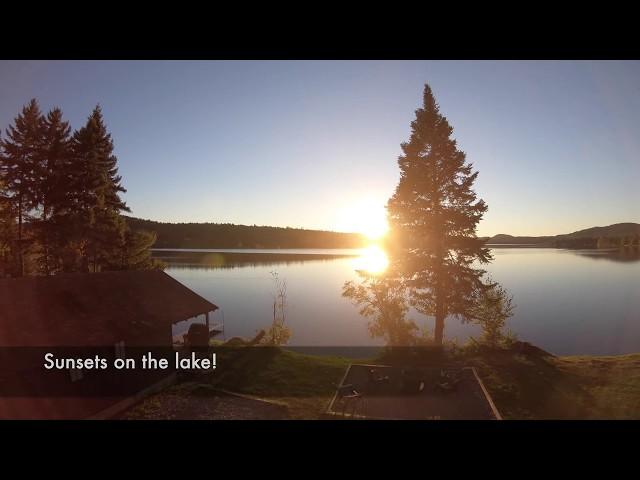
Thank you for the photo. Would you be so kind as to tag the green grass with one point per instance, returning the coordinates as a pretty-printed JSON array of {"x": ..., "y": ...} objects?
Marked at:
[
  {"x": 546, "y": 387},
  {"x": 305, "y": 383}
]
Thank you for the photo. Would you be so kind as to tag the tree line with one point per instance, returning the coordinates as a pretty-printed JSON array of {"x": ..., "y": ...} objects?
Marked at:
[
  {"x": 229, "y": 235},
  {"x": 626, "y": 241},
  {"x": 60, "y": 199}
]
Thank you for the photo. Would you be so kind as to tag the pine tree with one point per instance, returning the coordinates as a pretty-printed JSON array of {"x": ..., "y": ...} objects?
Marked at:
[
  {"x": 96, "y": 187},
  {"x": 19, "y": 168},
  {"x": 433, "y": 214},
  {"x": 52, "y": 189}
]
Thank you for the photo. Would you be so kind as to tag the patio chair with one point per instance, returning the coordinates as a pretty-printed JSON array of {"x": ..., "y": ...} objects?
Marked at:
[{"x": 348, "y": 395}]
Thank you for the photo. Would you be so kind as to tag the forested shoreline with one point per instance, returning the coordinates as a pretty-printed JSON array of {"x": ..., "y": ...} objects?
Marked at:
[{"x": 228, "y": 235}]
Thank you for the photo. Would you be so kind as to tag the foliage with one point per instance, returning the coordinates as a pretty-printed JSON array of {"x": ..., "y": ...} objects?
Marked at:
[
  {"x": 491, "y": 310},
  {"x": 133, "y": 252},
  {"x": 381, "y": 298}
]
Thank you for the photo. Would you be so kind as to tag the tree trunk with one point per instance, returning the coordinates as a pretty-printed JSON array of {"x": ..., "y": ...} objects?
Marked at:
[
  {"x": 440, "y": 311},
  {"x": 45, "y": 238},
  {"x": 439, "y": 329},
  {"x": 20, "y": 255}
]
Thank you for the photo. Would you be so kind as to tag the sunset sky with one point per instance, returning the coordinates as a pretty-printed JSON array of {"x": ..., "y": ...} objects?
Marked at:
[{"x": 314, "y": 144}]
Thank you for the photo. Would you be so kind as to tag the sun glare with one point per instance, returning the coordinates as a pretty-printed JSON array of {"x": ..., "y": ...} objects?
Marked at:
[
  {"x": 366, "y": 217},
  {"x": 372, "y": 260}
]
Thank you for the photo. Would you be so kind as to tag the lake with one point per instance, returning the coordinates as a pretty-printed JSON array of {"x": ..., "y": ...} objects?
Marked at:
[{"x": 568, "y": 302}]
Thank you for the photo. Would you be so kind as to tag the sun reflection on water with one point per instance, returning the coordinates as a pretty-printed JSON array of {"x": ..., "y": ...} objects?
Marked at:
[{"x": 373, "y": 260}]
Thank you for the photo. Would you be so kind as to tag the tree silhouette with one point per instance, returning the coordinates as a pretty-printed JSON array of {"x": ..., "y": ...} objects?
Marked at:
[
  {"x": 433, "y": 214},
  {"x": 52, "y": 187},
  {"x": 96, "y": 193},
  {"x": 19, "y": 167}
]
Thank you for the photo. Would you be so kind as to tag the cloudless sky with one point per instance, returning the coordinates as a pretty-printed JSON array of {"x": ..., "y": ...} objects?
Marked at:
[{"x": 292, "y": 143}]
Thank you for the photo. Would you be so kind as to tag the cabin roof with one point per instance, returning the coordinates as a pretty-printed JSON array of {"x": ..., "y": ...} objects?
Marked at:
[{"x": 78, "y": 309}]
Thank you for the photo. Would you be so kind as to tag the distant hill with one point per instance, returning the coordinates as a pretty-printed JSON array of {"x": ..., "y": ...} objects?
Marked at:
[
  {"x": 228, "y": 235},
  {"x": 593, "y": 237},
  {"x": 510, "y": 239},
  {"x": 615, "y": 230}
]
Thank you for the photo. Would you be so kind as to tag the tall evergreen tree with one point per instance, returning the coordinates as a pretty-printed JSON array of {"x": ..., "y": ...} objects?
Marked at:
[
  {"x": 98, "y": 225},
  {"x": 52, "y": 189},
  {"x": 19, "y": 168},
  {"x": 433, "y": 214}
]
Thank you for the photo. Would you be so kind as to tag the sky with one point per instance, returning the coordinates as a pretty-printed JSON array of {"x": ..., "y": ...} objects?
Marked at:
[{"x": 314, "y": 144}]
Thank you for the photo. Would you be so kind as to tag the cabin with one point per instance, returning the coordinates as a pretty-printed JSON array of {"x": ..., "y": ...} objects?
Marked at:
[{"x": 109, "y": 313}]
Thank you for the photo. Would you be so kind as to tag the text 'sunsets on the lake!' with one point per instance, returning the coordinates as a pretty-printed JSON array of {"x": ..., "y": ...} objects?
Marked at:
[{"x": 148, "y": 361}]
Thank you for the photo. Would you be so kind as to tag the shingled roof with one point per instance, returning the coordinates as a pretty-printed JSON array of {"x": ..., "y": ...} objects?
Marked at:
[{"x": 91, "y": 309}]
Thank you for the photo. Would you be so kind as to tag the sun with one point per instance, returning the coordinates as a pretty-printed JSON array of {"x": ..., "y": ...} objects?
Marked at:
[{"x": 367, "y": 217}]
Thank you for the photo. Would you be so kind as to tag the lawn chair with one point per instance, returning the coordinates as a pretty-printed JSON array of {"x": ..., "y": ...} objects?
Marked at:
[{"x": 348, "y": 395}]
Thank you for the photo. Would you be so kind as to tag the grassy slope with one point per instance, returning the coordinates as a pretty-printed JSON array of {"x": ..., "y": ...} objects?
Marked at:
[
  {"x": 522, "y": 386},
  {"x": 538, "y": 387}
]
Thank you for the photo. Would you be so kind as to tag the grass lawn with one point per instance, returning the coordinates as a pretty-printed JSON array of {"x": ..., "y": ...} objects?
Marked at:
[
  {"x": 523, "y": 386},
  {"x": 545, "y": 387},
  {"x": 305, "y": 383}
]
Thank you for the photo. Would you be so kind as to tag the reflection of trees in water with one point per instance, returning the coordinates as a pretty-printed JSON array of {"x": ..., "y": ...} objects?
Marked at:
[
  {"x": 223, "y": 260},
  {"x": 623, "y": 255}
]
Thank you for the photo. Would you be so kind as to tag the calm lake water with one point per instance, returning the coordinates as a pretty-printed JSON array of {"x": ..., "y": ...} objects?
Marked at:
[{"x": 567, "y": 301}]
